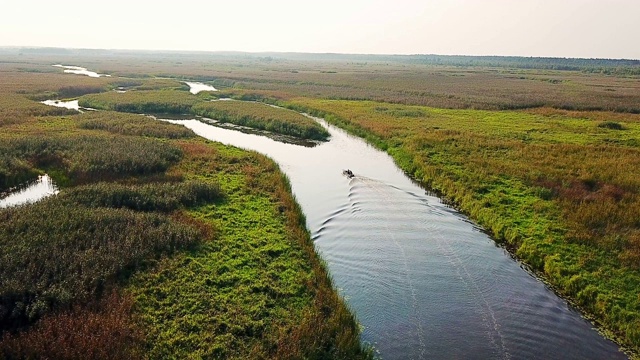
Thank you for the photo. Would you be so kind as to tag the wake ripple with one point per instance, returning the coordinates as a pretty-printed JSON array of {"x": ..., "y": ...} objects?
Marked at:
[{"x": 388, "y": 226}]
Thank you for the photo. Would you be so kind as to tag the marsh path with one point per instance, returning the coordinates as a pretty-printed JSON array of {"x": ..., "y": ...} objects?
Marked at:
[{"x": 424, "y": 281}]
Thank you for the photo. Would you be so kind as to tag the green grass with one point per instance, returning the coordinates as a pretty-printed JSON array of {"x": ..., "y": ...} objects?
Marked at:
[
  {"x": 129, "y": 124},
  {"x": 254, "y": 115},
  {"x": 147, "y": 101},
  {"x": 258, "y": 290},
  {"x": 263, "y": 117}
]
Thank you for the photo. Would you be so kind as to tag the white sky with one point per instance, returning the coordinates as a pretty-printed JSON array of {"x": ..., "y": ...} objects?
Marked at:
[{"x": 562, "y": 28}]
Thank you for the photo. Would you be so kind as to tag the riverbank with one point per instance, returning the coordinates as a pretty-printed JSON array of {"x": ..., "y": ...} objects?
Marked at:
[
  {"x": 220, "y": 264},
  {"x": 173, "y": 101},
  {"x": 257, "y": 290},
  {"x": 538, "y": 181}
]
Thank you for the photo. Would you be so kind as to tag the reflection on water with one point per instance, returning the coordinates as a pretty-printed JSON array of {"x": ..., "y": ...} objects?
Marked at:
[
  {"x": 73, "y": 104},
  {"x": 30, "y": 193},
  {"x": 196, "y": 87},
  {"x": 424, "y": 282},
  {"x": 68, "y": 69}
]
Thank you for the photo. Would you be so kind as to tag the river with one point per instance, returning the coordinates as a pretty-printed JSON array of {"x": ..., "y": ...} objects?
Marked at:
[{"x": 423, "y": 280}]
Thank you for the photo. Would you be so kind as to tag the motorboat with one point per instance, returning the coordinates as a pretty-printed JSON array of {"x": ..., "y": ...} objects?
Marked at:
[{"x": 348, "y": 173}]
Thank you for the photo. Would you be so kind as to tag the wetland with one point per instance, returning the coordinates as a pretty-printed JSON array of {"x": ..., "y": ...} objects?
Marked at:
[{"x": 543, "y": 168}]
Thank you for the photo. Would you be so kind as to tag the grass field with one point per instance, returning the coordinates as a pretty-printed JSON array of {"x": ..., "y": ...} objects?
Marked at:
[{"x": 403, "y": 80}]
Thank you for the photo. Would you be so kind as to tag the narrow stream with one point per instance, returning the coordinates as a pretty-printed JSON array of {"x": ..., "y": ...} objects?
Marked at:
[
  {"x": 423, "y": 280},
  {"x": 78, "y": 70}
]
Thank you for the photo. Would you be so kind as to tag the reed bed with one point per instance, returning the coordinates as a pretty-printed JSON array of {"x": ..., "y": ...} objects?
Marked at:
[{"x": 264, "y": 117}]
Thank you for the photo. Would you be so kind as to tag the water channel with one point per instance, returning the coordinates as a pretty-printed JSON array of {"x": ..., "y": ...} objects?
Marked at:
[
  {"x": 423, "y": 280},
  {"x": 78, "y": 70}
]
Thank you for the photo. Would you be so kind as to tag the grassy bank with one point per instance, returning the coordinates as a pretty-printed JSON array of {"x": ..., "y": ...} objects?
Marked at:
[
  {"x": 164, "y": 101},
  {"x": 264, "y": 117},
  {"x": 160, "y": 244},
  {"x": 559, "y": 188},
  {"x": 254, "y": 115},
  {"x": 258, "y": 290}
]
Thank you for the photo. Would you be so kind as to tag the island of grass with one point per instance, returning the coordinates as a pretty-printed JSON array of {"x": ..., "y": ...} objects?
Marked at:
[
  {"x": 264, "y": 117},
  {"x": 250, "y": 114},
  {"x": 166, "y": 101}
]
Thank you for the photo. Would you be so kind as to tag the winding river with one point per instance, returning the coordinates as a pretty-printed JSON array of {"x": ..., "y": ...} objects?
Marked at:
[{"x": 424, "y": 281}]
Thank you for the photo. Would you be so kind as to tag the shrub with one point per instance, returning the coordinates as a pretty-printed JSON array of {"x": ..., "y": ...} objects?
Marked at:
[
  {"x": 149, "y": 101},
  {"x": 263, "y": 117},
  {"x": 163, "y": 197},
  {"x": 14, "y": 172},
  {"x": 127, "y": 124},
  {"x": 96, "y": 331},
  {"x": 86, "y": 158},
  {"x": 51, "y": 262},
  {"x": 611, "y": 125},
  {"x": 78, "y": 90}
]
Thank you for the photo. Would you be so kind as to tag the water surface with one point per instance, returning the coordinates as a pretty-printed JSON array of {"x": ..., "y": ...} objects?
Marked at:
[
  {"x": 69, "y": 69},
  {"x": 71, "y": 104},
  {"x": 424, "y": 281},
  {"x": 30, "y": 192},
  {"x": 196, "y": 87}
]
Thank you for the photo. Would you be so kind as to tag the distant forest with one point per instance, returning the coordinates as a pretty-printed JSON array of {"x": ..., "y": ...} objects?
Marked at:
[
  {"x": 607, "y": 66},
  {"x": 550, "y": 63}
]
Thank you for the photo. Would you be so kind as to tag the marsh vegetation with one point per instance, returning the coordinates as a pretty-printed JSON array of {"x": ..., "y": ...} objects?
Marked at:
[
  {"x": 254, "y": 115},
  {"x": 90, "y": 271},
  {"x": 544, "y": 156}
]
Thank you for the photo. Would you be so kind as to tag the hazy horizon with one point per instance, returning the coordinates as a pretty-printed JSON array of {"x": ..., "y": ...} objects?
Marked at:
[{"x": 530, "y": 28}]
